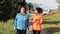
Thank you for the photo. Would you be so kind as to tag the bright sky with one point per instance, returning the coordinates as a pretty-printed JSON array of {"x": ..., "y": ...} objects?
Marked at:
[{"x": 46, "y": 4}]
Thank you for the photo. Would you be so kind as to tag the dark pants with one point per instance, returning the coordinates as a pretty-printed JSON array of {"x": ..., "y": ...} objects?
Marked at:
[
  {"x": 36, "y": 32},
  {"x": 21, "y": 31}
]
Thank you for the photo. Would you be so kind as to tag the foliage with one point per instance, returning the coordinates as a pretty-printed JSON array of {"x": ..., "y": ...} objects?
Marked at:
[{"x": 9, "y": 8}]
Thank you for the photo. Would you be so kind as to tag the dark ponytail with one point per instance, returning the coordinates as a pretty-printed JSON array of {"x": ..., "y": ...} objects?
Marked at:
[{"x": 40, "y": 10}]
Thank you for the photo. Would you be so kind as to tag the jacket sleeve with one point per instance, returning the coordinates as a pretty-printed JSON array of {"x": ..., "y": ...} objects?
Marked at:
[
  {"x": 33, "y": 19},
  {"x": 40, "y": 21},
  {"x": 15, "y": 22},
  {"x": 27, "y": 21}
]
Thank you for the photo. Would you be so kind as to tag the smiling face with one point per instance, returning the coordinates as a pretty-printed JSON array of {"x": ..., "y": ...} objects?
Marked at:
[{"x": 22, "y": 10}]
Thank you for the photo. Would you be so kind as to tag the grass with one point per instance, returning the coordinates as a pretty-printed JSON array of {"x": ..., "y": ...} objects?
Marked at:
[
  {"x": 7, "y": 28},
  {"x": 51, "y": 22}
]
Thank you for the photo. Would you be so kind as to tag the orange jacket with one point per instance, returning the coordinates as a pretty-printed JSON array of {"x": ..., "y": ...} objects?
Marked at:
[{"x": 37, "y": 21}]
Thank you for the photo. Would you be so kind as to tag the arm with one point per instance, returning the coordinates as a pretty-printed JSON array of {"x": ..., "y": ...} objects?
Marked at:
[
  {"x": 27, "y": 24},
  {"x": 15, "y": 23},
  {"x": 40, "y": 20},
  {"x": 33, "y": 20}
]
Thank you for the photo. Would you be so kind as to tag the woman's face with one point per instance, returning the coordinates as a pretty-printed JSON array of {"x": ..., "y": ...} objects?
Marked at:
[
  {"x": 22, "y": 9},
  {"x": 36, "y": 11}
]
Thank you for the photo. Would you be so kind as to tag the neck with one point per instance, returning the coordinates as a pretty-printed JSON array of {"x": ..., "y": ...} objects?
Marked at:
[
  {"x": 22, "y": 13},
  {"x": 37, "y": 13}
]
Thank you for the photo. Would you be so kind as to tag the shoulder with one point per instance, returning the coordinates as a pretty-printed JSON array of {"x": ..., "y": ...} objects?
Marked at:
[{"x": 33, "y": 15}]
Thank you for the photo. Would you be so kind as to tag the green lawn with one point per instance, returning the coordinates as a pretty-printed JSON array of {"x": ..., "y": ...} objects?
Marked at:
[
  {"x": 7, "y": 28},
  {"x": 51, "y": 22}
]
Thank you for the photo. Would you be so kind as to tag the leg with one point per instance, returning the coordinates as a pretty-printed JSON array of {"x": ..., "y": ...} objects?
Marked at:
[
  {"x": 38, "y": 32},
  {"x": 18, "y": 31},
  {"x": 23, "y": 31},
  {"x": 34, "y": 31}
]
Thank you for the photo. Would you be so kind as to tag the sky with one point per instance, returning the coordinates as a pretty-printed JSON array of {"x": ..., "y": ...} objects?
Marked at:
[{"x": 46, "y": 4}]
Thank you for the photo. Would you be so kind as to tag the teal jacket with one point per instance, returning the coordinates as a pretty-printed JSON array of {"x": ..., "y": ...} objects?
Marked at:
[{"x": 21, "y": 21}]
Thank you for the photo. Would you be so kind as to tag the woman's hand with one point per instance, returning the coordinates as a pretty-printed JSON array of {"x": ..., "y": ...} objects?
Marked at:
[
  {"x": 15, "y": 28},
  {"x": 28, "y": 28}
]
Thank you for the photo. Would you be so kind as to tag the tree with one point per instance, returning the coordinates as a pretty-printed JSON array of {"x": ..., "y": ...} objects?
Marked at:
[
  {"x": 8, "y": 9},
  {"x": 5, "y": 9},
  {"x": 30, "y": 6}
]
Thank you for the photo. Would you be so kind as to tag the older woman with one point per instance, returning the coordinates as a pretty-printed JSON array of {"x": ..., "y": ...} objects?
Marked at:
[{"x": 21, "y": 21}]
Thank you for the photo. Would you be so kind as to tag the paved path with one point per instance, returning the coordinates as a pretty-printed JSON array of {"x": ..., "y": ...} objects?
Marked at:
[{"x": 44, "y": 31}]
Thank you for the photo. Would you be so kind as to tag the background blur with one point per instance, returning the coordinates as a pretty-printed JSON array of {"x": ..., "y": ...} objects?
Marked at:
[{"x": 9, "y": 9}]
